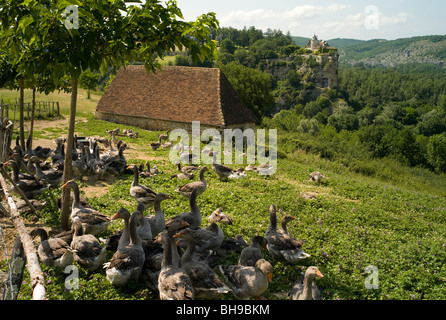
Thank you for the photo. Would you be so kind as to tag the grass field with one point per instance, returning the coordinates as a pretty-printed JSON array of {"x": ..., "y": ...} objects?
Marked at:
[{"x": 394, "y": 222}]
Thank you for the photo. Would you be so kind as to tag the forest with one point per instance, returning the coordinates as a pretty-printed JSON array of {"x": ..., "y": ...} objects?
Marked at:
[{"x": 397, "y": 113}]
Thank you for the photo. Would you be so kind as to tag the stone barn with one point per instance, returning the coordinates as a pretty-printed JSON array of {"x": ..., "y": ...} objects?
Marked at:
[{"x": 173, "y": 98}]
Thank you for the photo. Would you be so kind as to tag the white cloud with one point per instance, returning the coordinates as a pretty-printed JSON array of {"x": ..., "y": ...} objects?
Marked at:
[
  {"x": 262, "y": 17},
  {"x": 330, "y": 21}
]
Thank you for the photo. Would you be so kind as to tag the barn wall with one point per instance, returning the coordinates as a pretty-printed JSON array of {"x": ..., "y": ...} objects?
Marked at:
[{"x": 160, "y": 125}]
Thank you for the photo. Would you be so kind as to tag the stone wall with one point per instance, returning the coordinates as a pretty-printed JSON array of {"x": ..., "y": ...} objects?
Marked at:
[{"x": 161, "y": 125}]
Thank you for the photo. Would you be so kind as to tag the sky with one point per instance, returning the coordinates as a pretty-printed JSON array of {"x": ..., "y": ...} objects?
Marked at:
[{"x": 363, "y": 20}]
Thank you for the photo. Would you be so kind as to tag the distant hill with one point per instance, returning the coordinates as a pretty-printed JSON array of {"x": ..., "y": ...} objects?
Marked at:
[
  {"x": 341, "y": 43},
  {"x": 390, "y": 53},
  {"x": 300, "y": 41},
  {"x": 338, "y": 42}
]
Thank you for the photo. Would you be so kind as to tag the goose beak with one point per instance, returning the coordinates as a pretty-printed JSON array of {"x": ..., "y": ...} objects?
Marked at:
[
  {"x": 115, "y": 216},
  {"x": 64, "y": 186},
  {"x": 177, "y": 235},
  {"x": 270, "y": 277},
  {"x": 319, "y": 274}
]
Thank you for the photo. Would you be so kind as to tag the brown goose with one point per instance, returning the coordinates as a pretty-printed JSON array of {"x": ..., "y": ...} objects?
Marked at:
[
  {"x": 142, "y": 194},
  {"x": 283, "y": 223},
  {"x": 182, "y": 176},
  {"x": 252, "y": 253},
  {"x": 124, "y": 235},
  {"x": 186, "y": 189},
  {"x": 154, "y": 256},
  {"x": 92, "y": 221},
  {"x": 282, "y": 247},
  {"x": 194, "y": 216},
  {"x": 155, "y": 145},
  {"x": 305, "y": 288},
  {"x": 246, "y": 281},
  {"x": 219, "y": 217},
  {"x": 52, "y": 251},
  {"x": 206, "y": 283},
  {"x": 173, "y": 282},
  {"x": 88, "y": 251},
  {"x": 221, "y": 170},
  {"x": 158, "y": 222},
  {"x": 206, "y": 239},
  {"x": 126, "y": 264},
  {"x": 186, "y": 169}
]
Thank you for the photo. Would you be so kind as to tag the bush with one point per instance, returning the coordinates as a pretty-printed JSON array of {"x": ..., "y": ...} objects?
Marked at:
[{"x": 436, "y": 152}]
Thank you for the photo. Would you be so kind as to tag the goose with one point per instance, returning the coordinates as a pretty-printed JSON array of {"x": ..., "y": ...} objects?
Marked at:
[
  {"x": 221, "y": 170},
  {"x": 182, "y": 176},
  {"x": 122, "y": 238},
  {"x": 145, "y": 173},
  {"x": 166, "y": 145},
  {"x": 144, "y": 228},
  {"x": 186, "y": 169},
  {"x": 124, "y": 235},
  {"x": 194, "y": 216},
  {"x": 305, "y": 288},
  {"x": 92, "y": 221},
  {"x": 157, "y": 222},
  {"x": 155, "y": 145},
  {"x": 219, "y": 217},
  {"x": 52, "y": 251},
  {"x": 58, "y": 157},
  {"x": 140, "y": 193},
  {"x": 88, "y": 251},
  {"x": 316, "y": 176},
  {"x": 206, "y": 283},
  {"x": 152, "y": 170},
  {"x": 283, "y": 223},
  {"x": 126, "y": 264},
  {"x": 232, "y": 244},
  {"x": 117, "y": 164},
  {"x": 248, "y": 281},
  {"x": 164, "y": 136},
  {"x": 206, "y": 239},
  {"x": 173, "y": 282},
  {"x": 79, "y": 167},
  {"x": 21, "y": 165},
  {"x": 186, "y": 189},
  {"x": 53, "y": 177},
  {"x": 154, "y": 256},
  {"x": 282, "y": 247},
  {"x": 30, "y": 188},
  {"x": 265, "y": 169},
  {"x": 40, "y": 152},
  {"x": 252, "y": 253},
  {"x": 96, "y": 164},
  {"x": 132, "y": 135}
]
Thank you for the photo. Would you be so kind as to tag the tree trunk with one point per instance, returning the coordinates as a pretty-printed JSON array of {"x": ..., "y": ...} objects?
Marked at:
[
  {"x": 33, "y": 264},
  {"x": 22, "y": 107},
  {"x": 32, "y": 117},
  {"x": 64, "y": 223}
]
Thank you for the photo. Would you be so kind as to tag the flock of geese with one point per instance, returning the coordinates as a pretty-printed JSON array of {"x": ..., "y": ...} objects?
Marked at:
[{"x": 176, "y": 256}]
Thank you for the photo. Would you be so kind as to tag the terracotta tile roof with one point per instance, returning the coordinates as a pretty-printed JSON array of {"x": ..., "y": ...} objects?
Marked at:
[{"x": 182, "y": 94}]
